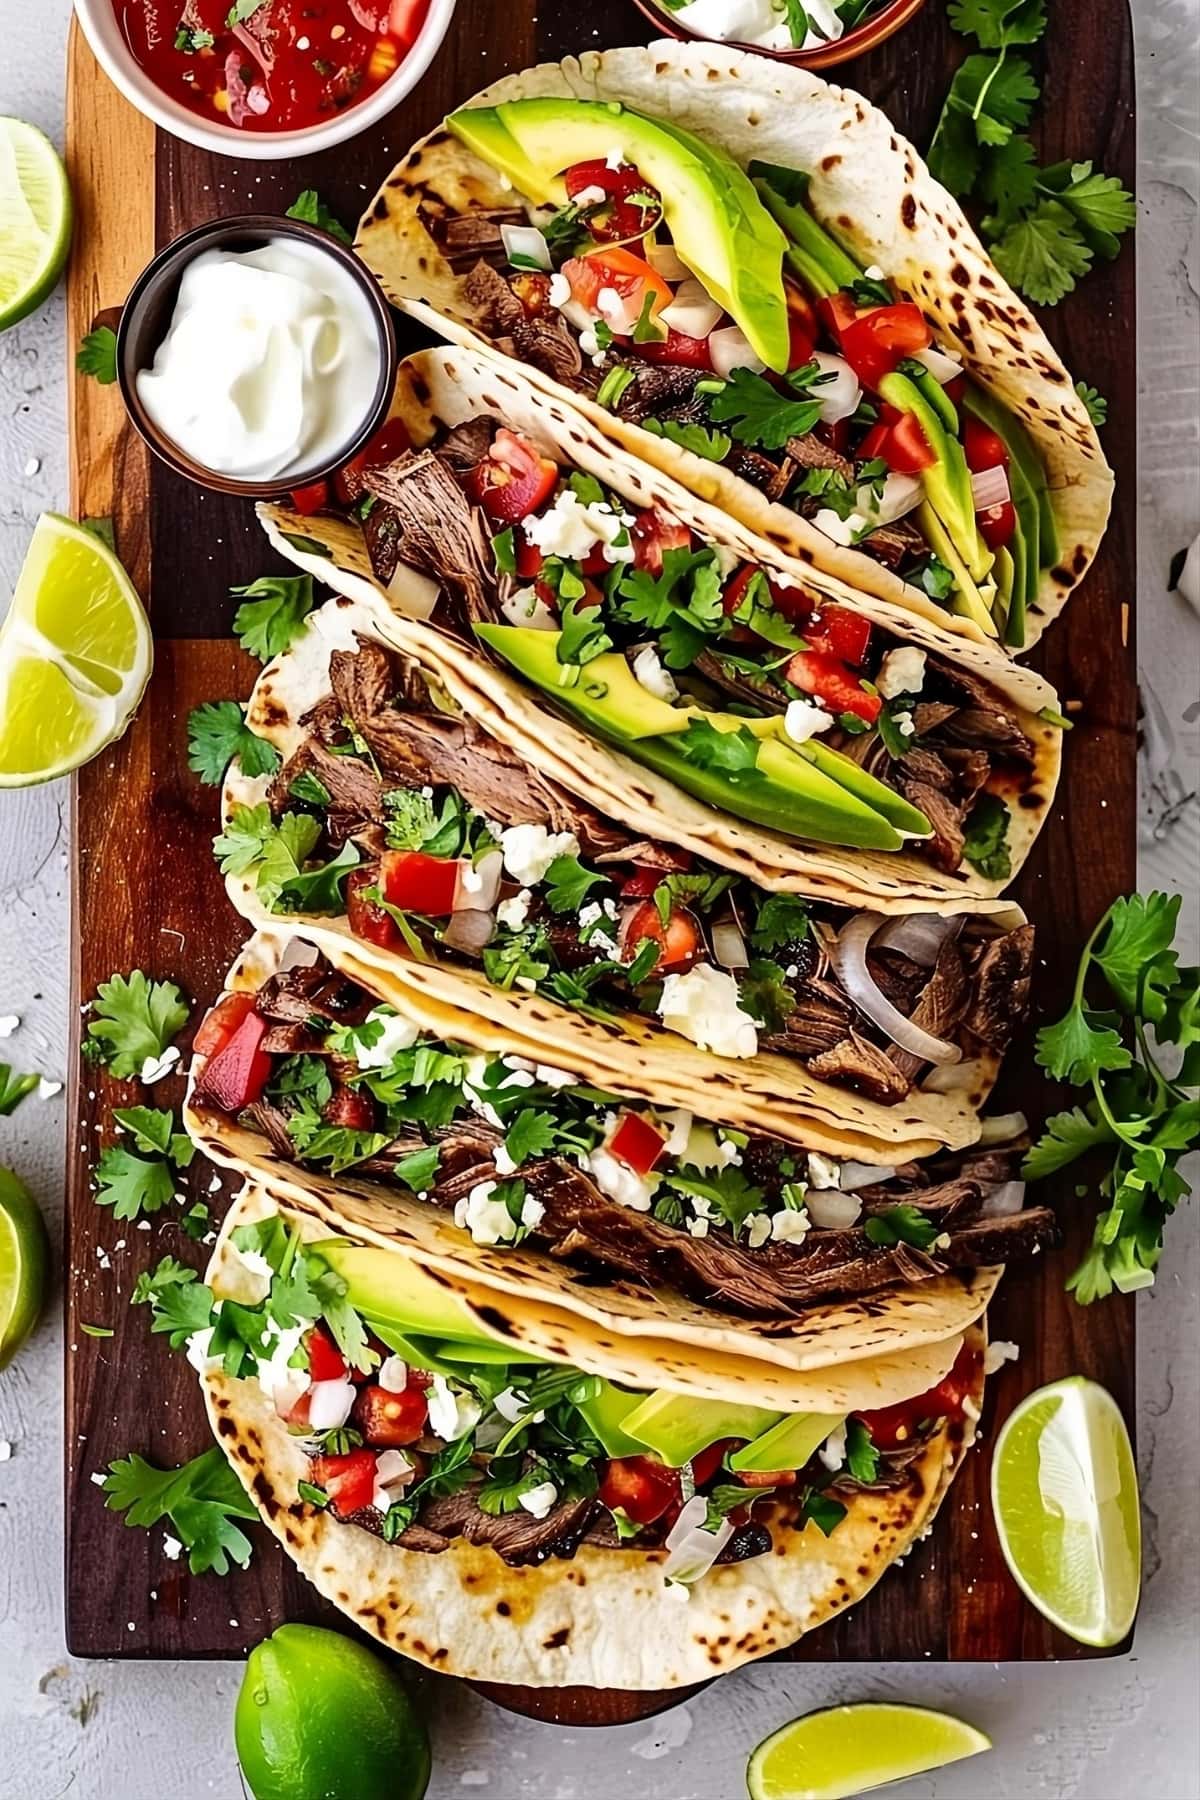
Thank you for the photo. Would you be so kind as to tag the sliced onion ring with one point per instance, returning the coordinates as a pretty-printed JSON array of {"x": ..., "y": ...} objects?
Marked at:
[
  {"x": 729, "y": 946},
  {"x": 484, "y": 883},
  {"x": 849, "y": 957},
  {"x": 919, "y": 936},
  {"x": 831, "y": 1210},
  {"x": 1002, "y": 1128},
  {"x": 694, "y": 1550},
  {"x": 989, "y": 487},
  {"x": 1003, "y": 1201},
  {"x": 855, "y": 1175}
]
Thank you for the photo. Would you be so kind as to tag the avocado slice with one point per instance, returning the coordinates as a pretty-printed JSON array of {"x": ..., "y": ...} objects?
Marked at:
[
  {"x": 677, "y": 1427},
  {"x": 394, "y": 1292},
  {"x": 947, "y": 482},
  {"x": 1028, "y": 531},
  {"x": 858, "y": 781},
  {"x": 1021, "y": 449},
  {"x": 967, "y": 598},
  {"x": 606, "y": 1414},
  {"x": 436, "y": 1355},
  {"x": 933, "y": 393},
  {"x": 605, "y": 691},
  {"x": 812, "y": 254},
  {"x": 787, "y": 1445},
  {"x": 1009, "y": 569},
  {"x": 718, "y": 223}
]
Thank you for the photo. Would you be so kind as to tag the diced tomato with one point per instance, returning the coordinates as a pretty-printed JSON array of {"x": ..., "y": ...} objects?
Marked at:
[
  {"x": 630, "y": 277},
  {"x": 654, "y": 532},
  {"x": 836, "y": 312},
  {"x": 803, "y": 326},
  {"x": 418, "y": 883},
  {"x": 679, "y": 940},
  {"x": 706, "y": 1464},
  {"x": 997, "y": 524},
  {"x": 833, "y": 684},
  {"x": 642, "y": 1488},
  {"x": 876, "y": 341},
  {"x": 620, "y": 218},
  {"x": 532, "y": 288},
  {"x": 325, "y": 1360},
  {"x": 902, "y": 445},
  {"x": 983, "y": 448},
  {"x": 220, "y": 1024},
  {"x": 676, "y": 347},
  {"x": 348, "y": 1480},
  {"x": 641, "y": 884},
  {"x": 527, "y": 557},
  {"x": 390, "y": 1420},
  {"x": 835, "y": 631},
  {"x": 766, "y": 1478},
  {"x": 297, "y": 1416},
  {"x": 237, "y": 1074},
  {"x": 390, "y": 441},
  {"x": 351, "y": 1108},
  {"x": 893, "y": 1426},
  {"x": 956, "y": 390},
  {"x": 513, "y": 479},
  {"x": 636, "y": 1142},
  {"x": 312, "y": 498},
  {"x": 366, "y": 918},
  {"x": 734, "y": 591}
]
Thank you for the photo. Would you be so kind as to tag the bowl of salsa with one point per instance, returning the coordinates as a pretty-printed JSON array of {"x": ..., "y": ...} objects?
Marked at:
[{"x": 265, "y": 78}]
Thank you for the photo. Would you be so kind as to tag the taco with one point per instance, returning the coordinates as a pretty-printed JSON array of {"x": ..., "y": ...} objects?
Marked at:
[
  {"x": 747, "y": 277},
  {"x": 360, "y": 1099},
  {"x": 397, "y": 828},
  {"x": 512, "y": 1518},
  {"x": 835, "y": 734}
]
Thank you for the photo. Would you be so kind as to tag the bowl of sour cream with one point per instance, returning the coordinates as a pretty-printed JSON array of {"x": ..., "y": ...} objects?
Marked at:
[
  {"x": 816, "y": 33},
  {"x": 256, "y": 355}
]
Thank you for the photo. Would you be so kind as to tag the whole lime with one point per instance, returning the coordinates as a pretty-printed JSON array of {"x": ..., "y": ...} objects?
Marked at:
[
  {"x": 320, "y": 1718},
  {"x": 24, "y": 1256}
]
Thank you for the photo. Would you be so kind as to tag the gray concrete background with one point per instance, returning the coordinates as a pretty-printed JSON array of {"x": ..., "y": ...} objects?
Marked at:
[{"x": 1101, "y": 1731}]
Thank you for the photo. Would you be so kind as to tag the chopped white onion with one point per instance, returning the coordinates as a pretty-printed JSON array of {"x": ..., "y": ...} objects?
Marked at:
[
  {"x": 839, "y": 397},
  {"x": 731, "y": 349},
  {"x": 693, "y": 311},
  {"x": 831, "y": 1210},
  {"x": 849, "y": 957},
  {"x": 729, "y": 946},
  {"x": 694, "y": 1550},
  {"x": 956, "y": 1078},
  {"x": 1002, "y": 1128},
  {"x": 413, "y": 594},
  {"x": 855, "y": 1175},
  {"x": 525, "y": 243},
  {"x": 330, "y": 1405},
  {"x": 478, "y": 885},
  {"x": 943, "y": 368},
  {"x": 298, "y": 955},
  {"x": 899, "y": 495},
  {"x": 469, "y": 931},
  {"x": 664, "y": 259},
  {"x": 919, "y": 936},
  {"x": 989, "y": 487},
  {"x": 1003, "y": 1201}
]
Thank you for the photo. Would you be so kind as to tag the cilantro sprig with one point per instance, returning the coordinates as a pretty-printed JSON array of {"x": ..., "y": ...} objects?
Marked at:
[
  {"x": 1144, "y": 1118},
  {"x": 140, "y": 1181},
  {"x": 133, "y": 1020},
  {"x": 97, "y": 355},
  {"x": 201, "y": 1499},
  {"x": 310, "y": 209},
  {"x": 273, "y": 613},
  {"x": 217, "y": 732}
]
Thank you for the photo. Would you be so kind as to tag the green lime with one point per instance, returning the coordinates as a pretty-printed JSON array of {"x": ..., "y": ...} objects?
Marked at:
[
  {"x": 24, "y": 1253},
  {"x": 1065, "y": 1496},
  {"x": 35, "y": 219},
  {"x": 75, "y": 654},
  {"x": 320, "y": 1718},
  {"x": 847, "y": 1750}
]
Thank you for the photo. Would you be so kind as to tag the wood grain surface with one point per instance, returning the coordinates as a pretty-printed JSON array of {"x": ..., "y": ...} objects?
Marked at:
[{"x": 146, "y": 892}]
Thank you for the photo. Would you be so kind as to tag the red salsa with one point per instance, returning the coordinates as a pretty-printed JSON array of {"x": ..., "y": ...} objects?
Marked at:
[{"x": 270, "y": 65}]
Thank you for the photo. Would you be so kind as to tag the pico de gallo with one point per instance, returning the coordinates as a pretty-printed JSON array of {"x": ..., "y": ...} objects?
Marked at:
[
  {"x": 519, "y": 1152},
  {"x": 270, "y": 65}
]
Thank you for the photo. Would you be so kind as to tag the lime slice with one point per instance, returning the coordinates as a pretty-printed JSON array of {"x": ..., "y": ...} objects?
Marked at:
[
  {"x": 35, "y": 219},
  {"x": 847, "y": 1750},
  {"x": 75, "y": 655},
  {"x": 23, "y": 1256},
  {"x": 1065, "y": 1496}
]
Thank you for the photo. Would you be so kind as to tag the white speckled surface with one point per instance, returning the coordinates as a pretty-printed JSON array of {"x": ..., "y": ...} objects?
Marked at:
[{"x": 1101, "y": 1731}]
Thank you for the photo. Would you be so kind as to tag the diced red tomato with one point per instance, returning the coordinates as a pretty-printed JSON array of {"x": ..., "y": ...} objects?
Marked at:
[
  {"x": 642, "y": 1488},
  {"x": 734, "y": 591},
  {"x": 620, "y": 218},
  {"x": 641, "y": 884},
  {"x": 892, "y": 1426},
  {"x": 835, "y": 631},
  {"x": 631, "y": 278},
  {"x": 982, "y": 447},
  {"x": 903, "y": 445},
  {"x": 836, "y": 312},
  {"x": 833, "y": 684},
  {"x": 390, "y": 441},
  {"x": 366, "y": 918},
  {"x": 237, "y": 1074},
  {"x": 956, "y": 390},
  {"x": 390, "y": 1420},
  {"x": 876, "y": 341},
  {"x": 636, "y": 1142},
  {"x": 706, "y": 1464},
  {"x": 351, "y": 1108},
  {"x": 325, "y": 1360},
  {"x": 312, "y": 498},
  {"x": 348, "y": 1480},
  {"x": 803, "y": 326},
  {"x": 297, "y": 1415},
  {"x": 997, "y": 524},
  {"x": 654, "y": 532},
  {"x": 418, "y": 883},
  {"x": 676, "y": 347},
  {"x": 527, "y": 557},
  {"x": 513, "y": 479},
  {"x": 679, "y": 940},
  {"x": 532, "y": 288},
  {"x": 220, "y": 1024}
]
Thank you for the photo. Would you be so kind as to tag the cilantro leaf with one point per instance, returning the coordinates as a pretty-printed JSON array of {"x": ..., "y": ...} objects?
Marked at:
[
  {"x": 902, "y": 1224},
  {"x": 1076, "y": 1048},
  {"x": 1008, "y": 182},
  {"x": 825, "y": 1512},
  {"x": 862, "y": 1458},
  {"x": 217, "y": 732},
  {"x": 310, "y": 209},
  {"x": 97, "y": 355},
  {"x": 985, "y": 845},
  {"x": 133, "y": 1185},
  {"x": 1134, "y": 952},
  {"x": 532, "y": 1133},
  {"x": 179, "y": 1302},
  {"x": 241, "y": 10},
  {"x": 568, "y": 884},
  {"x": 731, "y": 754},
  {"x": 714, "y": 446},
  {"x": 1101, "y": 207},
  {"x": 418, "y": 1170},
  {"x": 154, "y": 1134},
  {"x": 252, "y": 840},
  {"x": 731, "y": 1192},
  {"x": 1043, "y": 253},
  {"x": 272, "y": 614},
  {"x": 202, "y": 1498},
  {"x": 757, "y": 413},
  {"x": 14, "y": 1088},
  {"x": 1068, "y": 1135},
  {"x": 582, "y": 636},
  {"x": 1094, "y": 401},
  {"x": 996, "y": 23},
  {"x": 320, "y": 890},
  {"x": 133, "y": 1020},
  {"x": 781, "y": 919},
  {"x": 189, "y": 40}
]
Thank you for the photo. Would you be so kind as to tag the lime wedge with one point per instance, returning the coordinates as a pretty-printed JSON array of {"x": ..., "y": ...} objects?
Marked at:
[
  {"x": 23, "y": 1257},
  {"x": 35, "y": 219},
  {"x": 847, "y": 1750},
  {"x": 1065, "y": 1496},
  {"x": 75, "y": 655}
]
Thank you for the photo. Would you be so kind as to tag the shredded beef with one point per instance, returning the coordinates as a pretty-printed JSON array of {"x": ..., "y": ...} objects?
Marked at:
[
  {"x": 862, "y": 1066},
  {"x": 542, "y": 339},
  {"x": 945, "y": 847},
  {"x": 761, "y": 695},
  {"x": 467, "y": 444},
  {"x": 925, "y": 765},
  {"x": 939, "y": 1009},
  {"x": 929, "y": 714},
  {"x": 466, "y": 239},
  {"x": 520, "y": 1539},
  {"x": 809, "y": 452},
  {"x": 312, "y": 991},
  {"x": 440, "y": 533},
  {"x": 752, "y": 466},
  {"x": 381, "y": 531},
  {"x": 999, "y": 1000},
  {"x": 292, "y": 1040},
  {"x": 268, "y": 1119},
  {"x": 819, "y": 1021},
  {"x": 894, "y": 543},
  {"x": 364, "y": 681},
  {"x": 355, "y": 791},
  {"x": 658, "y": 390},
  {"x": 983, "y": 722}
]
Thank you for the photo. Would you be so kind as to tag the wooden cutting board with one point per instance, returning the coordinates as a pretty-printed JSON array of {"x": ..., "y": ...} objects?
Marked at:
[{"x": 147, "y": 894}]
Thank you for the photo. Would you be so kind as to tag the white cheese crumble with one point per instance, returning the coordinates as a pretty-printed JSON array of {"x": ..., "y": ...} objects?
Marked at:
[
  {"x": 330, "y": 1404},
  {"x": 758, "y": 1229},
  {"x": 619, "y": 1181},
  {"x": 902, "y": 671},
  {"x": 172, "y": 1548},
  {"x": 791, "y": 1225},
  {"x": 649, "y": 673},
  {"x": 572, "y": 529},
  {"x": 804, "y": 719},
  {"x": 393, "y": 1375},
  {"x": 998, "y": 1352},
  {"x": 555, "y": 1078},
  {"x": 513, "y": 912},
  {"x": 833, "y": 1451},
  {"x": 525, "y": 607},
  {"x": 560, "y": 289},
  {"x": 155, "y": 1067},
  {"x": 46, "y": 1090},
  {"x": 504, "y": 1164},
  {"x": 841, "y": 531},
  {"x": 530, "y": 849},
  {"x": 823, "y": 1172},
  {"x": 703, "y": 1005},
  {"x": 488, "y": 1221},
  {"x": 539, "y": 1500},
  {"x": 451, "y": 1415}
]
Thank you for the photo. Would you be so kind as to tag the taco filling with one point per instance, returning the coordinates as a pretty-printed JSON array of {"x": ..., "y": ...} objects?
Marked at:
[
  {"x": 519, "y": 1152},
  {"x": 437, "y": 842},
  {"x": 424, "y": 1437}
]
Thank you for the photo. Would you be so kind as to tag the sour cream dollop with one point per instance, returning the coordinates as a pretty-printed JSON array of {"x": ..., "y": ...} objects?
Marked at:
[{"x": 269, "y": 363}]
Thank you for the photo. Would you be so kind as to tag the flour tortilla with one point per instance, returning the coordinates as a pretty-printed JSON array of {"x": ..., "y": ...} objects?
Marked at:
[
  {"x": 871, "y": 191},
  {"x": 768, "y": 1092},
  {"x": 444, "y": 387},
  {"x": 621, "y": 1317},
  {"x": 605, "y": 1617}
]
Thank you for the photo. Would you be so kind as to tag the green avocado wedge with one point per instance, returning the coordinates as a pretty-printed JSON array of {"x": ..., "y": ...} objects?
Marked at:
[
  {"x": 859, "y": 781},
  {"x": 718, "y": 224},
  {"x": 1020, "y": 447}
]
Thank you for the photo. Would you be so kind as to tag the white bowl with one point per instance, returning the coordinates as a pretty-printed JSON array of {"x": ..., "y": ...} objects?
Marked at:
[{"x": 98, "y": 19}]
